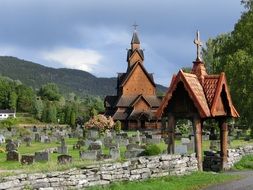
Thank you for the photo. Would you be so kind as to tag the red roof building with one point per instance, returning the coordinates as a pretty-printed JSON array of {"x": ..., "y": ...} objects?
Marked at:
[{"x": 198, "y": 96}]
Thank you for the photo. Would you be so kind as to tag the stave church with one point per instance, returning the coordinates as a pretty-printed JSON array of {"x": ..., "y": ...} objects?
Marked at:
[{"x": 136, "y": 102}]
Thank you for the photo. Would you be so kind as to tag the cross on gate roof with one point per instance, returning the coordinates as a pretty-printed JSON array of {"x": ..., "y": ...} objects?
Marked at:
[{"x": 198, "y": 44}]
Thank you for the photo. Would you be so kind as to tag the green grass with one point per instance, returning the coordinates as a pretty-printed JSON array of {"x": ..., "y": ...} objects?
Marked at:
[
  {"x": 246, "y": 163},
  {"x": 197, "y": 180},
  {"x": 77, "y": 162}
]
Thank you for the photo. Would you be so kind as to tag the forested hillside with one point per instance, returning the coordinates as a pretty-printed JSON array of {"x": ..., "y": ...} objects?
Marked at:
[{"x": 68, "y": 80}]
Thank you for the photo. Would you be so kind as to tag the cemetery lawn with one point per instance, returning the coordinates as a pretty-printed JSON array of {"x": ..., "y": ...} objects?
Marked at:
[
  {"x": 194, "y": 181},
  {"x": 8, "y": 166}
]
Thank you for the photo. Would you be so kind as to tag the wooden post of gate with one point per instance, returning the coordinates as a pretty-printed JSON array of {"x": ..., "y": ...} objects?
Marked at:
[
  {"x": 224, "y": 142},
  {"x": 171, "y": 134},
  {"x": 197, "y": 125}
]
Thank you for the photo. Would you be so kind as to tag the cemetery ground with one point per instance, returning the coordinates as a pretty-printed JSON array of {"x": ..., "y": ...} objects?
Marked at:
[{"x": 7, "y": 167}]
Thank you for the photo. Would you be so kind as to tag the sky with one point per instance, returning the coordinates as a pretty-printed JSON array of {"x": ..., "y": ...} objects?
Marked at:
[{"x": 93, "y": 35}]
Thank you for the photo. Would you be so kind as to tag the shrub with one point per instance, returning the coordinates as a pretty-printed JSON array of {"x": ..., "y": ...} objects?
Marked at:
[
  {"x": 2, "y": 150},
  {"x": 117, "y": 126},
  {"x": 152, "y": 150}
]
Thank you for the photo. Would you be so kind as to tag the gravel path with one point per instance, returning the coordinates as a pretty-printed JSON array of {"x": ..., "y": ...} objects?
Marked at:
[{"x": 245, "y": 183}]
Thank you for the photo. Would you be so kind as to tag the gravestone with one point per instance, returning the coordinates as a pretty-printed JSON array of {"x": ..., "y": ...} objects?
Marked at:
[
  {"x": 133, "y": 153},
  {"x": 205, "y": 137},
  {"x": 95, "y": 146},
  {"x": 27, "y": 159},
  {"x": 108, "y": 133},
  {"x": 185, "y": 140},
  {"x": 28, "y": 140},
  {"x": 63, "y": 149},
  {"x": 180, "y": 149},
  {"x": 35, "y": 129},
  {"x": 115, "y": 153},
  {"x": 92, "y": 134},
  {"x": 153, "y": 139},
  {"x": 214, "y": 145},
  {"x": 108, "y": 141},
  {"x": 10, "y": 146},
  {"x": 44, "y": 138},
  {"x": 41, "y": 156},
  {"x": 132, "y": 146},
  {"x": 12, "y": 155},
  {"x": 88, "y": 154},
  {"x": 138, "y": 138},
  {"x": 122, "y": 142},
  {"x": 64, "y": 159},
  {"x": 2, "y": 139},
  {"x": 37, "y": 137}
]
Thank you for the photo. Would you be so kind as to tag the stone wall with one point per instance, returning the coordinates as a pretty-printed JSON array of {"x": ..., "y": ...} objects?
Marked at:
[
  {"x": 134, "y": 169},
  {"x": 234, "y": 155}
]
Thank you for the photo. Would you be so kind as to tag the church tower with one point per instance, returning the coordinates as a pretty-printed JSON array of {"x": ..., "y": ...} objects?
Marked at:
[
  {"x": 135, "y": 54},
  {"x": 136, "y": 102}
]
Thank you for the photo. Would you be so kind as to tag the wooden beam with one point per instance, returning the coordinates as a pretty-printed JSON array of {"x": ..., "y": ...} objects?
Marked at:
[
  {"x": 197, "y": 126},
  {"x": 224, "y": 142},
  {"x": 171, "y": 134}
]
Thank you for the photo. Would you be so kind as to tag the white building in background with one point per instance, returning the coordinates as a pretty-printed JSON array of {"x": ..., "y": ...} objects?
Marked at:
[{"x": 4, "y": 114}]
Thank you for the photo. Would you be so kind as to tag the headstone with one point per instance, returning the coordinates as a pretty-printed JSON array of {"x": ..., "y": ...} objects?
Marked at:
[
  {"x": 27, "y": 159},
  {"x": 12, "y": 155},
  {"x": 63, "y": 149},
  {"x": 28, "y": 140},
  {"x": 44, "y": 138},
  {"x": 108, "y": 141},
  {"x": 108, "y": 133},
  {"x": 64, "y": 159},
  {"x": 132, "y": 146},
  {"x": 214, "y": 145},
  {"x": 185, "y": 140},
  {"x": 180, "y": 149},
  {"x": 92, "y": 134},
  {"x": 205, "y": 137},
  {"x": 133, "y": 153},
  {"x": 35, "y": 129},
  {"x": 37, "y": 137},
  {"x": 138, "y": 138},
  {"x": 10, "y": 146},
  {"x": 41, "y": 156},
  {"x": 95, "y": 146},
  {"x": 2, "y": 139},
  {"x": 122, "y": 142},
  {"x": 115, "y": 153},
  {"x": 88, "y": 154}
]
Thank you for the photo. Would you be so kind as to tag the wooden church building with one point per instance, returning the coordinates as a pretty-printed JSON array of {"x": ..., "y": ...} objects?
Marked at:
[{"x": 136, "y": 102}]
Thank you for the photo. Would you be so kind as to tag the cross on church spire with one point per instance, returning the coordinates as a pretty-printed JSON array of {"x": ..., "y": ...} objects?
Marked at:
[
  {"x": 198, "y": 44},
  {"x": 135, "y": 26}
]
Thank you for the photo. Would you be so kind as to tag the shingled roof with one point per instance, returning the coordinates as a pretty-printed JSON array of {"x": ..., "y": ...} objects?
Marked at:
[
  {"x": 204, "y": 90},
  {"x": 124, "y": 78}
]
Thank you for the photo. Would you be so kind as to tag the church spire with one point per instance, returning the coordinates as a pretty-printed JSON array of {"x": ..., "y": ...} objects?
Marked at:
[
  {"x": 135, "y": 42},
  {"x": 135, "y": 54}
]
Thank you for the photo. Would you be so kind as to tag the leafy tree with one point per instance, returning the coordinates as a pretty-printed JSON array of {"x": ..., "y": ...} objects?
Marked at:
[
  {"x": 232, "y": 53},
  {"x": 38, "y": 108},
  {"x": 13, "y": 97},
  {"x": 50, "y": 92},
  {"x": 52, "y": 113},
  {"x": 26, "y": 99}
]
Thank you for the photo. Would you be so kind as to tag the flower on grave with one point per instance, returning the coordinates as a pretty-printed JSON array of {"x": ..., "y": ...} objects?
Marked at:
[{"x": 100, "y": 122}]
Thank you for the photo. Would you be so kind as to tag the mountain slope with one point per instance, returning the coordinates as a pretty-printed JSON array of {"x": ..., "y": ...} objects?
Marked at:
[{"x": 68, "y": 80}]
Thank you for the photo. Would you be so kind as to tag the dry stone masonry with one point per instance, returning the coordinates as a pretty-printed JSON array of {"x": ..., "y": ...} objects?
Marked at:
[{"x": 134, "y": 169}]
